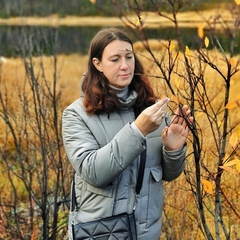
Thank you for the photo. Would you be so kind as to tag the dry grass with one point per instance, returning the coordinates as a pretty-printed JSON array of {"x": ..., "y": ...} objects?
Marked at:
[
  {"x": 180, "y": 207},
  {"x": 69, "y": 68}
]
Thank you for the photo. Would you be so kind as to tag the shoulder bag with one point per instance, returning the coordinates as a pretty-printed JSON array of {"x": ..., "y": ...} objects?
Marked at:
[{"x": 118, "y": 227}]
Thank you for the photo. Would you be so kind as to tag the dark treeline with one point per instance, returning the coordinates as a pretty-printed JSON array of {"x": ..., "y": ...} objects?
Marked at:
[
  {"x": 46, "y": 7},
  {"x": 12, "y": 8}
]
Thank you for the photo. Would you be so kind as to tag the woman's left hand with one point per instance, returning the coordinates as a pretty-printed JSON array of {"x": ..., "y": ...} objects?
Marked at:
[{"x": 175, "y": 135}]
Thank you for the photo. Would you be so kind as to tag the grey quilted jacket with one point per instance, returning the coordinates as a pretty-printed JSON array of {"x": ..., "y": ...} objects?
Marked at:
[{"x": 104, "y": 152}]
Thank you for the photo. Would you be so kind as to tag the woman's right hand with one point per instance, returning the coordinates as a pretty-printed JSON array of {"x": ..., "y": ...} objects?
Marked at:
[{"x": 151, "y": 118}]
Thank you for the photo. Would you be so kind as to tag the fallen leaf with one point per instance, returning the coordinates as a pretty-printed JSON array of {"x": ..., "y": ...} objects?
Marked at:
[
  {"x": 206, "y": 42},
  {"x": 230, "y": 105},
  {"x": 187, "y": 51},
  {"x": 237, "y": 2},
  {"x": 231, "y": 163},
  {"x": 207, "y": 186}
]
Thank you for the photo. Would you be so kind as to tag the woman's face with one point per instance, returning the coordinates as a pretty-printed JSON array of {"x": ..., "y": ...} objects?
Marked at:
[{"x": 117, "y": 63}]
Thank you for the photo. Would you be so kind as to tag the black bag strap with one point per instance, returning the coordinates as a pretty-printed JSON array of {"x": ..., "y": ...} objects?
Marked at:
[
  {"x": 139, "y": 179},
  {"x": 141, "y": 170},
  {"x": 74, "y": 200},
  {"x": 142, "y": 159}
]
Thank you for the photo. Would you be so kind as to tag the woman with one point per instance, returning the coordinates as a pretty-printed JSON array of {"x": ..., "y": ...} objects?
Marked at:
[{"x": 104, "y": 131}]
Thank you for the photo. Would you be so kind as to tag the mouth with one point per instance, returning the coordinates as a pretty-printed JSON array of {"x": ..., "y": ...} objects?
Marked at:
[{"x": 124, "y": 75}]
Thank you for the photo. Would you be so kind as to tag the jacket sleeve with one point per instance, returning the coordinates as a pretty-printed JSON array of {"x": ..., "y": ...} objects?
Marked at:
[
  {"x": 173, "y": 163},
  {"x": 97, "y": 165}
]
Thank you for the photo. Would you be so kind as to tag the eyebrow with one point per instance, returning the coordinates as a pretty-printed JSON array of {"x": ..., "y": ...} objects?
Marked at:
[{"x": 126, "y": 50}]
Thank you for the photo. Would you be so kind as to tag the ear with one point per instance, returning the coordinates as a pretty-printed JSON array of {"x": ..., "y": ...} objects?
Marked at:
[{"x": 97, "y": 64}]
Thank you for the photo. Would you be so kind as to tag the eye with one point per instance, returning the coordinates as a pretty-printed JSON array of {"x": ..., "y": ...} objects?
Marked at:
[
  {"x": 129, "y": 56},
  {"x": 114, "y": 60}
]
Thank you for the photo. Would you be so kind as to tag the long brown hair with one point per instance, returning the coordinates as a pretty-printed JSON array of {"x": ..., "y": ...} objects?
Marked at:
[{"x": 98, "y": 96}]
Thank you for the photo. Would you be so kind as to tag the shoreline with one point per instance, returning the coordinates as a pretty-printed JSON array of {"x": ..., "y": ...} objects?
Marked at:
[{"x": 151, "y": 20}]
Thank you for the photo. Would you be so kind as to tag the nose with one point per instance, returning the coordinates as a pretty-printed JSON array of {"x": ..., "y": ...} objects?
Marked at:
[{"x": 123, "y": 65}]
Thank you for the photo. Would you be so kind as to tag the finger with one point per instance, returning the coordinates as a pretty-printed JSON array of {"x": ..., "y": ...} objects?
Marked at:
[
  {"x": 162, "y": 102},
  {"x": 160, "y": 119},
  {"x": 183, "y": 110},
  {"x": 180, "y": 115},
  {"x": 186, "y": 119},
  {"x": 162, "y": 106},
  {"x": 176, "y": 116},
  {"x": 156, "y": 108},
  {"x": 184, "y": 115}
]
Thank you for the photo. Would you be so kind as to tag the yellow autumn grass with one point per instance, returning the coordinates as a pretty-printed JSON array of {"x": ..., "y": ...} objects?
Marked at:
[
  {"x": 180, "y": 207},
  {"x": 180, "y": 204}
]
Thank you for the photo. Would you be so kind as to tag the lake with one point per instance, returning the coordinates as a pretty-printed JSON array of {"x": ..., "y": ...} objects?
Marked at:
[{"x": 68, "y": 40}]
